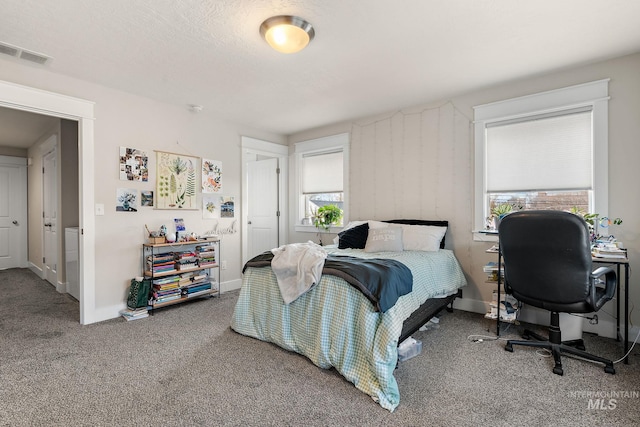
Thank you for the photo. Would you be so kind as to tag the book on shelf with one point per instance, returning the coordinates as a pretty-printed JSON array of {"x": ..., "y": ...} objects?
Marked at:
[
  {"x": 199, "y": 293},
  {"x": 167, "y": 298}
]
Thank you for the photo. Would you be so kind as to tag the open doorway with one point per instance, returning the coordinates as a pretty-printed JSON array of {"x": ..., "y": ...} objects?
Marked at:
[
  {"x": 48, "y": 148},
  {"x": 33, "y": 100}
]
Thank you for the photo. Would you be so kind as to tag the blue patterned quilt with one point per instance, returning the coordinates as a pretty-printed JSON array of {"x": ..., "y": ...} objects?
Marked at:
[{"x": 335, "y": 325}]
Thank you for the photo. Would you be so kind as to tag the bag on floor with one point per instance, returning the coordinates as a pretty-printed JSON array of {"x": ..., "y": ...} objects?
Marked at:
[{"x": 139, "y": 293}]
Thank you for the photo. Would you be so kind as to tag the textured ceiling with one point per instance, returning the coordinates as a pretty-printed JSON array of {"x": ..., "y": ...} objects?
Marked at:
[{"x": 367, "y": 57}]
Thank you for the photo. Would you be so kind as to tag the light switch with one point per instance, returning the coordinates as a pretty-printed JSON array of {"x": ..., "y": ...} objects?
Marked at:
[{"x": 99, "y": 209}]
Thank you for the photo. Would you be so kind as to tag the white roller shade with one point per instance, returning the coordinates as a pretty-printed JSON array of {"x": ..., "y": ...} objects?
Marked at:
[
  {"x": 322, "y": 173},
  {"x": 549, "y": 152}
]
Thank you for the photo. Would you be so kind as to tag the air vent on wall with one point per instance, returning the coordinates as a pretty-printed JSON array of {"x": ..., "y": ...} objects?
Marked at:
[{"x": 26, "y": 55}]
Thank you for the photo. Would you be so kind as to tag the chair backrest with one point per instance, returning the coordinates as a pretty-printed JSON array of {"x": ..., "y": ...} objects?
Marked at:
[{"x": 547, "y": 258}]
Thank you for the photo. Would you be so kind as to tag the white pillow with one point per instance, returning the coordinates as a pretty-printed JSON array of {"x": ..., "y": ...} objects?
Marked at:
[
  {"x": 422, "y": 237},
  {"x": 387, "y": 239}
]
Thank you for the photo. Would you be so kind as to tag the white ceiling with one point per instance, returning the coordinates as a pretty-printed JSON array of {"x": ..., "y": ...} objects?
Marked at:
[{"x": 367, "y": 57}]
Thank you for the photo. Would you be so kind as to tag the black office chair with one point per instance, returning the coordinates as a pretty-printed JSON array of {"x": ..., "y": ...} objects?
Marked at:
[{"x": 547, "y": 264}]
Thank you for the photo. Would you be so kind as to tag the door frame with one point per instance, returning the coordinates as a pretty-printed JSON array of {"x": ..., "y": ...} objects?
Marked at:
[
  {"x": 39, "y": 101},
  {"x": 253, "y": 146}
]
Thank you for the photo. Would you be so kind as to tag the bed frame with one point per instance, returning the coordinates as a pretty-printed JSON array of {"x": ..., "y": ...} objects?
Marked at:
[{"x": 433, "y": 306}]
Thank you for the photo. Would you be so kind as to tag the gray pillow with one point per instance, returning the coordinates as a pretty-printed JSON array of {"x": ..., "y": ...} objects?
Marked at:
[{"x": 387, "y": 239}]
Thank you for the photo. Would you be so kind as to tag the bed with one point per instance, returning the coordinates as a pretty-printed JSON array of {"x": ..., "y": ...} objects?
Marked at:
[{"x": 334, "y": 324}]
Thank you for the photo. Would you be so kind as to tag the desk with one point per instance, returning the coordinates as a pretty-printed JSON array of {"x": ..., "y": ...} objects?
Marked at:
[{"x": 618, "y": 262}]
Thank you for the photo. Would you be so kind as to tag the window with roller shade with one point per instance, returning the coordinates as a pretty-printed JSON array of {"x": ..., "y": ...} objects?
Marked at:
[
  {"x": 543, "y": 151},
  {"x": 321, "y": 168},
  {"x": 541, "y": 162}
]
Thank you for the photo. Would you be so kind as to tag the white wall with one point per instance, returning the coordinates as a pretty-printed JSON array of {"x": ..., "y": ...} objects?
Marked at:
[
  {"x": 123, "y": 119},
  {"x": 417, "y": 163}
]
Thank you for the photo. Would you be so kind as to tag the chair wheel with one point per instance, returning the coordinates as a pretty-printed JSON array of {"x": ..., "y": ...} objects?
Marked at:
[
  {"x": 558, "y": 370},
  {"x": 609, "y": 369},
  {"x": 508, "y": 347}
]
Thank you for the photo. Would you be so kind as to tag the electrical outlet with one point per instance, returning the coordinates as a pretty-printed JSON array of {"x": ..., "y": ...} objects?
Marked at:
[{"x": 223, "y": 265}]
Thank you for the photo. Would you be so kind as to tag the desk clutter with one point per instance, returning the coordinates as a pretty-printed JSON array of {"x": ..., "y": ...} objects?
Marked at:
[{"x": 608, "y": 250}]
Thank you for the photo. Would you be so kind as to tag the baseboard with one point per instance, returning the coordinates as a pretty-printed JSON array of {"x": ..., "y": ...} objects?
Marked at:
[
  {"x": 61, "y": 287},
  {"x": 230, "y": 285},
  {"x": 36, "y": 270}
]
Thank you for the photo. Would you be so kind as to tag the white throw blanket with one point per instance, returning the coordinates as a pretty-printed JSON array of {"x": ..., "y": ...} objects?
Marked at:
[{"x": 298, "y": 267}]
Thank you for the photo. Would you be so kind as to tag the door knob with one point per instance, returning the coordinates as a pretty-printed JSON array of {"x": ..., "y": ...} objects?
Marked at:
[
  {"x": 47, "y": 224},
  {"x": 15, "y": 222},
  {"x": 249, "y": 222}
]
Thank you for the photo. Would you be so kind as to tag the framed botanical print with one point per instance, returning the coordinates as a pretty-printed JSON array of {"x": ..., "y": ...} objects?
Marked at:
[{"x": 176, "y": 181}]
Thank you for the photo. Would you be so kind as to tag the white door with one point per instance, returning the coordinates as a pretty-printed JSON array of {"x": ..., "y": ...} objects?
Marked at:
[
  {"x": 262, "y": 210},
  {"x": 13, "y": 212},
  {"x": 50, "y": 217}
]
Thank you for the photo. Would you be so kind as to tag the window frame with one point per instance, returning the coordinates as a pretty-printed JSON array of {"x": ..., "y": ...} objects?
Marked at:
[
  {"x": 322, "y": 145},
  {"x": 594, "y": 94}
]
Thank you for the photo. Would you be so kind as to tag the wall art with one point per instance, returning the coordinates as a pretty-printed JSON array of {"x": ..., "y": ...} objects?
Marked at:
[
  {"x": 210, "y": 206},
  {"x": 126, "y": 200},
  {"x": 133, "y": 165},
  {"x": 146, "y": 198},
  {"x": 227, "y": 207},
  {"x": 211, "y": 176},
  {"x": 176, "y": 181}
]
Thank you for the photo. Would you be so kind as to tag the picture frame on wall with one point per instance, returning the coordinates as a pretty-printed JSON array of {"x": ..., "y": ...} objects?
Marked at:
[{"x": 176, "y": 179}]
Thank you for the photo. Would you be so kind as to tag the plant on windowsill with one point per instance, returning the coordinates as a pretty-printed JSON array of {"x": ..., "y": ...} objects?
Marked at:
[
  {"x": 500, "y": 210},
  {"x": 325, "y": 217}
]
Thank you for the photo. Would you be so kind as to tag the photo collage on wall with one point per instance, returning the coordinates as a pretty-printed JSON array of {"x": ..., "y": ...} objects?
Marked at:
[{"x": 176, "y": 184}]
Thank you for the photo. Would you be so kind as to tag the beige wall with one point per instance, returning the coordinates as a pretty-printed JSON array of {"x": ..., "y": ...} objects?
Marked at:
[
  {"x": 435, "y": 135},
  {"x": 417, "y": 162},
  {"x": 122, "y": 119}
]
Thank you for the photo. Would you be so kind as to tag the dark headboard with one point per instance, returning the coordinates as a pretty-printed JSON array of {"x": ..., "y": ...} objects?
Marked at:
[{"x": 437, "y": 223}]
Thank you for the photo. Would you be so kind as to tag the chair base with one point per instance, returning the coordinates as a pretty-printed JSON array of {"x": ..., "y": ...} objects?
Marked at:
[{"x": 557, "y": 348}]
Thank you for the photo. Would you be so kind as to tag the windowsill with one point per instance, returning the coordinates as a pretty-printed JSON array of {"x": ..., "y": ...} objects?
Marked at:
[
  {"x": 311, "y": 229},
  {"x": 485, "y": 236}
]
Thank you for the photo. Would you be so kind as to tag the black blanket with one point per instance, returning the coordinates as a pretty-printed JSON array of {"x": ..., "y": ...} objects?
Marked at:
[{"x": 381, "y": 280}]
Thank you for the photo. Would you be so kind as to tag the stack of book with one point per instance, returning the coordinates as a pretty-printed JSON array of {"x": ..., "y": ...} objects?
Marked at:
[
  {"x": 206, "y": 255},
  {"x": 491, "y": 268},
  {"x": 166, "y": 289},
  {"x": 609, "y": 252},
  {"x": 138, "y": 313},
  {"x": 185, "y": 260},
  {"x": 161, "y": 263},
  {"x": 199, "y": 285}
]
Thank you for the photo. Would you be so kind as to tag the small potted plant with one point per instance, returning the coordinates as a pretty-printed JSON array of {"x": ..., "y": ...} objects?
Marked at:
[
  {"x": 326, "y": 216},
  {"x": 594, "y": 221},
  {"x": 500, "y": 210}
]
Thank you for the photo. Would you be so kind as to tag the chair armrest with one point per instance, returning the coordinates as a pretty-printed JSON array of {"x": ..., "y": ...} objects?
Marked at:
[{"x": 609, "y": 280}]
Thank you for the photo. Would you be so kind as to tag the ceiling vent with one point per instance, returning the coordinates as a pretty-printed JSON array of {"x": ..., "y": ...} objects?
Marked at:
[{"x": 26, "y": 55}]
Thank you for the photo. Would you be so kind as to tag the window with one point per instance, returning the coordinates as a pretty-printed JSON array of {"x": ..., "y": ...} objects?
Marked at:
[
  {"x": 322, "y": 171},
  {"x": 544, "y": 151}
]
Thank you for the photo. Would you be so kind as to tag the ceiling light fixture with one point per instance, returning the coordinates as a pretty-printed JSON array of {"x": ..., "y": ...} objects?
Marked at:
[{"x": 286, "y": 33}]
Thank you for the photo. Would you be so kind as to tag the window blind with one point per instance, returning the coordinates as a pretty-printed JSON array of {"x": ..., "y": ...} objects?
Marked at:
[
  {"x": 546, "y": 152},
  {"x": 322, "y": 173}
]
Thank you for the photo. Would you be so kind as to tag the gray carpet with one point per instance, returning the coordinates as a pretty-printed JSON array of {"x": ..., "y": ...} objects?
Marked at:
[{"x": 184, "y": 366}]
